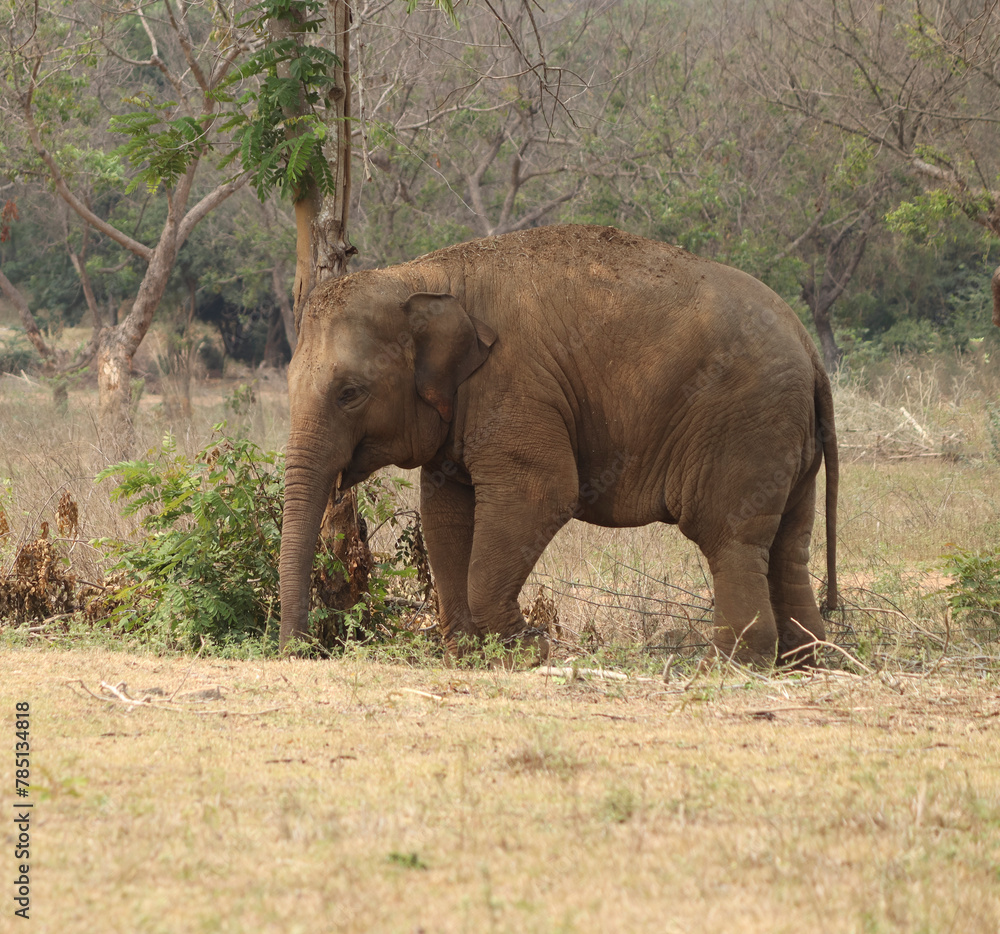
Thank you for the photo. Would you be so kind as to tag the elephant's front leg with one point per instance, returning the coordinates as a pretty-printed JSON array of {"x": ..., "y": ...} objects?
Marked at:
[
  {"x": 513, "y": 526},
  {"x": 447, "y": 512}
]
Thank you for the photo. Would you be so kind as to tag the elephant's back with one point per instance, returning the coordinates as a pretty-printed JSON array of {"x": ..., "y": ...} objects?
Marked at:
[
  {"x": 567, "y": 271},
  {"x": 561, "y": 254},
  {"x": 598, "y": 300}
]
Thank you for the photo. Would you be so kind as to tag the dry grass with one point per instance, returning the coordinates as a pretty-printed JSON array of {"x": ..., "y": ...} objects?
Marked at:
[
  {"x": 46, "y": 453},
  {"x": 920, "y": 476},
  {"x": 356, "y": 796}
]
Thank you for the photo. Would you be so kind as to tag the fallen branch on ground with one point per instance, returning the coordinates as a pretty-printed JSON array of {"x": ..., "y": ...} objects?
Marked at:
[
  {"x": 118, "y": 693},
  {"x": 574, "y": 673}
]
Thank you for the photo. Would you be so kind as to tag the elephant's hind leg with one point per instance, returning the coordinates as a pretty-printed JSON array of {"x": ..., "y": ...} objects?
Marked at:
[
  {"x": 744, "y": 621},
  {"x": 796, "y": 614}
]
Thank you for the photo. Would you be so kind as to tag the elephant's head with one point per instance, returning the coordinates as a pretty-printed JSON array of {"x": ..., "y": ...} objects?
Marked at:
[
  {"x": 373, "y": 382},
  {"x": 996, "y": 296}
]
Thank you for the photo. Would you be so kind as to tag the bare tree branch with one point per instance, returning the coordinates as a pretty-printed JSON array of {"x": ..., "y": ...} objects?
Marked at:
[{"x": 133, "y": 246}]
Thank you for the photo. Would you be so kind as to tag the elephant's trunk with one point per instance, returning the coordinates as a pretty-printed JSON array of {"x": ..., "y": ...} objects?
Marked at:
[
  {"x": 996, "y": 296},
  {"x": 309, "y": 477}
]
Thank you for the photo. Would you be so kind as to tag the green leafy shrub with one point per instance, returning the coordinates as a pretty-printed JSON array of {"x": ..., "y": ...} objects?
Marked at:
[
  {"x": 207, "y": 566},
  {"x": 975, "y": 593},
  {"x": 16, "y": 354}
]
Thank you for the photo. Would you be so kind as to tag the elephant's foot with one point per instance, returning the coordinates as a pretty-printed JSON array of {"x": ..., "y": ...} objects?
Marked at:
[
  {"x": 459, "y": 641},
  {"x": 745, "y": 629},
  {"x": 799, "y": 642},
  {"x": 726, "y": 649},
  {"x": 527, "y": 648},
  {"x": 799, "y": 658},
  {"x": 755, "y": 644}
]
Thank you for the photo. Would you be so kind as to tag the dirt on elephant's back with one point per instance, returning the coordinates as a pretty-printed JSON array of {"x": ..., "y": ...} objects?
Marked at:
[{"x": 560, "y": 245}]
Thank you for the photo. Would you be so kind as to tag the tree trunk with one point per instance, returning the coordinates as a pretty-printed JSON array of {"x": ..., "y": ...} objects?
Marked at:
[
  {"x": 828, "y": 343},
  {"x": 322, "y": 249},
  {"x": 281, "y": 299},
  {"x": 820, "y": 305},
  {"x": 836, "y": 275},
  {"x": 114, "y": 375},
  {"x": 272, "y": 345},
  {"x": 60, "y": 395},
  {"x": 119, "y": 344},
  {"x": 322, "y": 252}
]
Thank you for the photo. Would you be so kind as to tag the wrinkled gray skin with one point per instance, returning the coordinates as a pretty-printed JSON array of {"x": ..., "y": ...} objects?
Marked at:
[{"x": 569, "y": 372}]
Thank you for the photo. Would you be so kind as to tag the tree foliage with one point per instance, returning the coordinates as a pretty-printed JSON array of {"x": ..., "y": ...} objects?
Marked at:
[{"x": 279, "y": 134}]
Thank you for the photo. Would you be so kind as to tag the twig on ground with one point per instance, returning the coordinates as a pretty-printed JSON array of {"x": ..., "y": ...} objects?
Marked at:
[
  {"x": 201, "y": 648},
  {"x": 574, "y": 673},
  {"x": 764, "y": 711},
  {"x": 119, "y": 693},
  {"x": 50, "y": 619},
  {"x": 883, "y": 676},
  {"x": 427, "y": 694},
  {"x": 920, "y": 428}
]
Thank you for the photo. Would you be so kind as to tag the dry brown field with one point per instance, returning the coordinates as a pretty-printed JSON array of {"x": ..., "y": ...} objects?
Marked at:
[
  {"x": 383, "y": 790},
  {"x": 352, "y": 795}
]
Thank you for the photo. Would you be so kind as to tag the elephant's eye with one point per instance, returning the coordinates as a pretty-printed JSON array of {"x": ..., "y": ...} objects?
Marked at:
[{"x": 349, "y": 395}]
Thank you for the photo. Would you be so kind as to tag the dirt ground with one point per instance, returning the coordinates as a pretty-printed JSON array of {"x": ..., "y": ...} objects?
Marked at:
[{"x": 176, "y": 795}]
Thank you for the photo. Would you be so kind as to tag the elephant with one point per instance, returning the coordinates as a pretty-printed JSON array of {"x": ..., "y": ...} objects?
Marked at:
[{"x": 561, "y": 372}]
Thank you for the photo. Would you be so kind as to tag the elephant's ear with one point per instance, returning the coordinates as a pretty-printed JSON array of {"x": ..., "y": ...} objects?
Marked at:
[{"x": 450, "y": 346}]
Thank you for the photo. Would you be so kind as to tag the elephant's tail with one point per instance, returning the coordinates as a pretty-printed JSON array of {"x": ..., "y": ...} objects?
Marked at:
[{"x": 828, "y": 438}]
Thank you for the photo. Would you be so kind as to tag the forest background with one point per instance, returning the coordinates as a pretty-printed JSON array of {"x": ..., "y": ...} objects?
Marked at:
[{"x": 845, "y": 153}]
